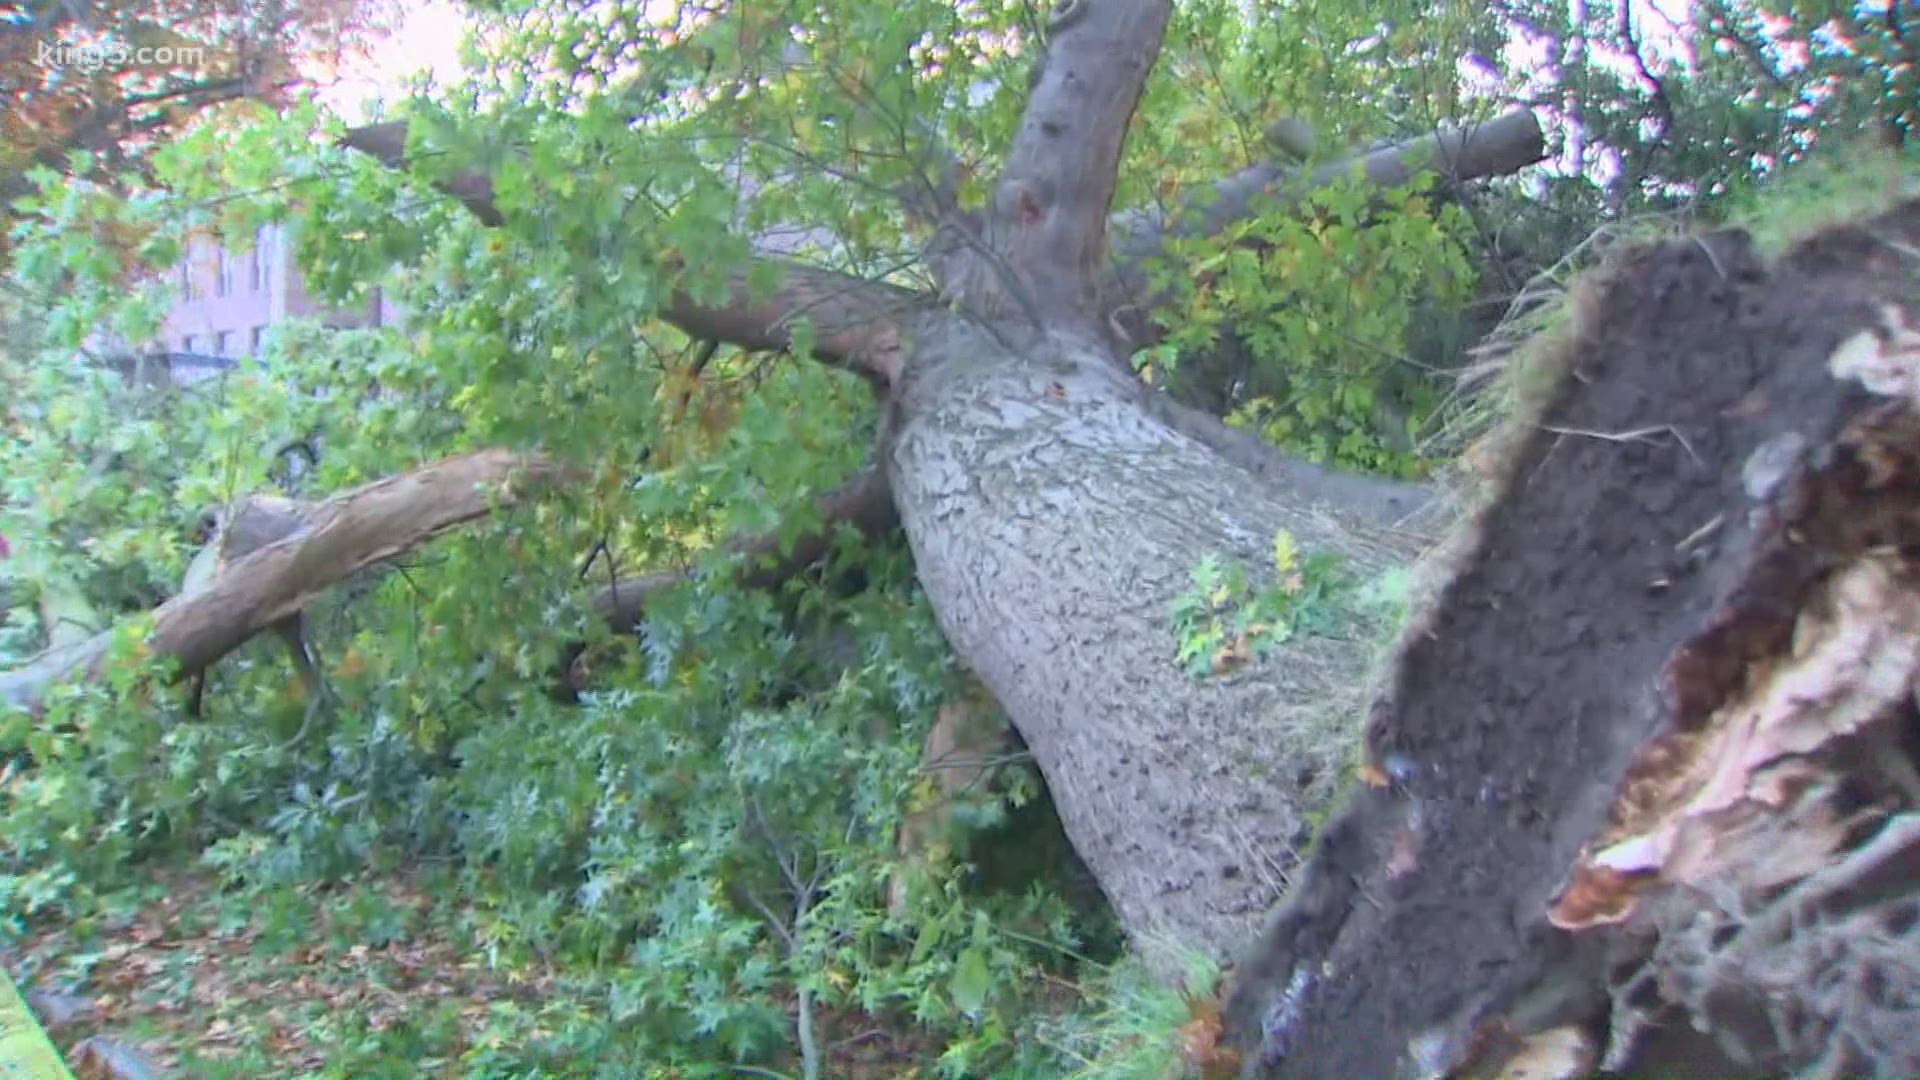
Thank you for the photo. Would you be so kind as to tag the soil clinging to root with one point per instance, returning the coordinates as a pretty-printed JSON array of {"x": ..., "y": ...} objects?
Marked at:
[{"x": 1644, "y": 786}]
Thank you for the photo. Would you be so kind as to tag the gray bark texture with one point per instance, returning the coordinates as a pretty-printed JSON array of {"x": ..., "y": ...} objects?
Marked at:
[
  {"x": 1057, "y": 507},
  {"x": 1054, "y": 519}
]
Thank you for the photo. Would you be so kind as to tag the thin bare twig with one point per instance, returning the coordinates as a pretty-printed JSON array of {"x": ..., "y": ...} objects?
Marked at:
[{"x": 1636, "y": 435}]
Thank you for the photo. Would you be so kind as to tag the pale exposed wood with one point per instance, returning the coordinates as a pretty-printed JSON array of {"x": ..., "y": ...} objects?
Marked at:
[{"x": 342, "y": 536}]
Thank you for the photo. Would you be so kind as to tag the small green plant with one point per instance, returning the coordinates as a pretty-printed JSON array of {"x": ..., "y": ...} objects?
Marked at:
[
  {"x": 1133, "y": 1024},
  {"x": 1223, "y": 621}
]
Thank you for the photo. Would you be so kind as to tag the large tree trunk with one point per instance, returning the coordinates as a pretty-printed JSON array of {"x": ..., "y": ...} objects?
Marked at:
[
  {"x": 1054, "y": 519},
  {"x": 1649, "y": 800}
]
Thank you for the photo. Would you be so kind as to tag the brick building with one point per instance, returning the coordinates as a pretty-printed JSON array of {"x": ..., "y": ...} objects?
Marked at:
[{"x": 225, "y": 300}]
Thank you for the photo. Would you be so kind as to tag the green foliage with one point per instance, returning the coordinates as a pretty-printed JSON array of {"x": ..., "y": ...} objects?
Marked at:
[
  {"x": 1308, "y": 322},
  {"x": 1224, "y": 620},
  {"x": 1133, "y": 1027},
  {"x": 1319, "y": 299},
  {"x": 712, "y": 831},
  {"x": 1354, "y": 73},
  {"x": 1691, "y": 113},
  {"x": 1839, "y": 182}
]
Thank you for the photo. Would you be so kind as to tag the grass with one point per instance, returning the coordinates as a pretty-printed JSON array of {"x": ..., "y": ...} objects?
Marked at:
[
  {"x": 1512, "y": 372},
  {"x": 1136, "y": 1028},
  {"x": 1848, "y": 183},
  {"x": 384, "y": 976}
]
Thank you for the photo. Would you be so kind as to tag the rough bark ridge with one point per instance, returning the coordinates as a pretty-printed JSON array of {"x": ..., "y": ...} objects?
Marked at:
[
  {"x": 1648, "y": 791},
  {"x": 1054, "y": 521}
]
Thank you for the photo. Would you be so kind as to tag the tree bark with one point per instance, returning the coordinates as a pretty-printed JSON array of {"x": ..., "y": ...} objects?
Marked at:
[{"x": 1054, "y": 518}]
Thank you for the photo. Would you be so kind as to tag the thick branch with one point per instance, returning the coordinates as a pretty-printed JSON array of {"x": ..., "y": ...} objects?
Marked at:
[
  {"x": 343, "y": 535},
  {"x": 387, "y": 144},
  {"x": 1050, "y": 208},
  {"x": 856, "y": 323},
  {"x": 863, "y": 503},
  {"x": 1499, "y": 146}
]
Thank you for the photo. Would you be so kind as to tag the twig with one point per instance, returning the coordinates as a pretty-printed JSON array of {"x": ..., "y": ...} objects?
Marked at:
[
  {"x": 779, "y": 927},
  {"x": 870, "y": 1033},
  {"x": 599, "y": 547},
  {"x": 1636, "y": 435},
  {"x": 1711, "y": 257},
  {"x": 1684, "y": 444},
  {"x": 1701, "y": 533},
  {"x": 306, "y": 722},
  {"x": 790, "y": 933},
  {"x": 1278, "y": 880}
]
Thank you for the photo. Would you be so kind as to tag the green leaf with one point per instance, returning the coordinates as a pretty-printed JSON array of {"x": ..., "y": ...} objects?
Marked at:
[{"x": 972, "y": 981}]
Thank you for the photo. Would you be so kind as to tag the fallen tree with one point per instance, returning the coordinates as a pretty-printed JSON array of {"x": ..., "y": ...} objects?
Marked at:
[
  {"x": 1054, "y": 504},
  {"x": 1644, "y": 791},
  {"x": 1647, "y": 750}
]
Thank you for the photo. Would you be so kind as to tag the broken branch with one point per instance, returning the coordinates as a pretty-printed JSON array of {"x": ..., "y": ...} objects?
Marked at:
[{"x": 343, "y": 535}]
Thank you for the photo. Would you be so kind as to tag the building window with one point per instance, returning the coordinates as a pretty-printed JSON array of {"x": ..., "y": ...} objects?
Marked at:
[
  {"x": 260, "y": 259},
  {"x": 225, "y": 285},
  {"x": 257, "y": 332},
  {"x": 189, "y": 281},
  {"x": 223, "y": 344}
]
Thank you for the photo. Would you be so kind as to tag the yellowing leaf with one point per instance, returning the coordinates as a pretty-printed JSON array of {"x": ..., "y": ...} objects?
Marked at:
[{"x": 1284, "y": 555}]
